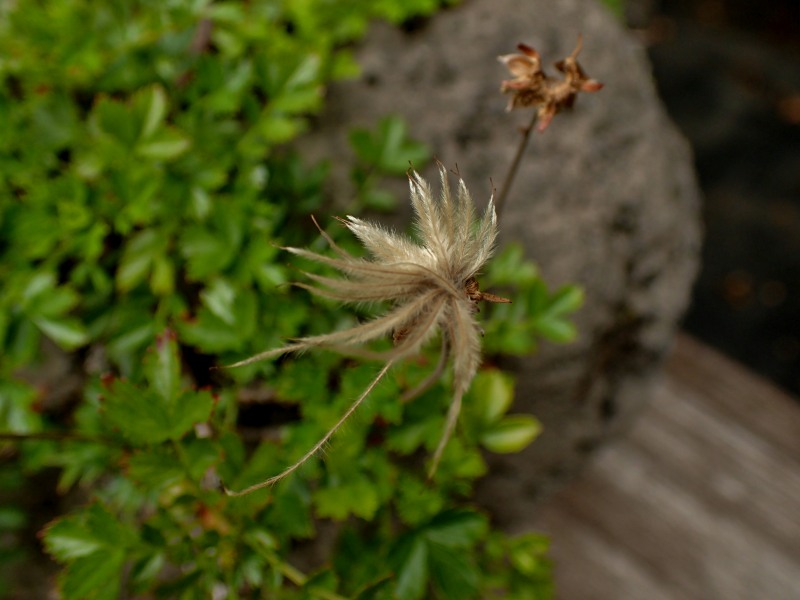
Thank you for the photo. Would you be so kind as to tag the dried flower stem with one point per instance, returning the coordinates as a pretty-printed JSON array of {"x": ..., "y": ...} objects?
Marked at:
[
  {"x": 320, "y": 444},
  {"x": 512, "y": 171}
]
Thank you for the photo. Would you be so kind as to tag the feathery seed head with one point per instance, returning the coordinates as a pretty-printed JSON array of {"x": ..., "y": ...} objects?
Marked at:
[{"x": 430, "y": 285}]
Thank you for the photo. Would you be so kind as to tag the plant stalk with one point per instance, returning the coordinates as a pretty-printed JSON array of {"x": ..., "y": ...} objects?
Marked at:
[{"x": 512, "y": 171}]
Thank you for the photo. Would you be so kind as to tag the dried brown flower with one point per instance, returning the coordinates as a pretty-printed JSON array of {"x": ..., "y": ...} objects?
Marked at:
[
  {"x": 431, "y": 286},
  {"x": 532, "y": 87}
]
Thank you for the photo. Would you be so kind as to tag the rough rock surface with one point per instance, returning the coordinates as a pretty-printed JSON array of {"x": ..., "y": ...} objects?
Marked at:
[{"x": 605, "y": 197}]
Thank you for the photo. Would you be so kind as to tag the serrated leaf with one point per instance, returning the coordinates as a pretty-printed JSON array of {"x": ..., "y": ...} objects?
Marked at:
[
  {"x": 145, "y": 417},
  {"x": 155, "y": 468},
  {"x": 136, "y": 413},
  {"x": 290, "y": 509},
  {"x": 200, "y": 455},
  {"x": 69, "y": 539},
  {"x": 85, "y": 533},
  {"x": 357, "y": 497},
  {"x": 511, "y": 434},
  {"x": 93, "y": 577},
  {"x": 417, "y": 502}
]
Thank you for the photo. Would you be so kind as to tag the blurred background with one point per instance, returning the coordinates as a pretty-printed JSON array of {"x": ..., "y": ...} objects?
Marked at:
[{"x": 729, "y": 74}]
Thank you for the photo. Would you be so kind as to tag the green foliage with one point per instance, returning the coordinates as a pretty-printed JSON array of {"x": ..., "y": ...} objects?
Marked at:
[
  {"x": 387, "y": 150},
  {"x": 535, "y": 313},
  {"x": 145, "y": 189},
  {"x": 616, "y": 6}
]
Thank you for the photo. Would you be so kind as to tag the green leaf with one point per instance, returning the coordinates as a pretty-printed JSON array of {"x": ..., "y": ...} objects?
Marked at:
[
  {"x": 206, "y": 252},
  {"x": 357, "y": 497},
  {"x": 44, "y": 298},
  {"x": 94, "y": 577},
  {"x": 290, "y": 512},
  {"x": 617, "y": 7},
  {"x": 69, "y": 539},
  {"x": 137, "y": 413},
  {"x": 163, "y": 369},
  {"x": 511, "y": 434},
  {"x": 152, "y": 103},
  {"x": 456, "y": 528},
  {"x": 388, "y": 149},
  {"x": 162, "y": 279},
  {"x": 67, "y": 333},
  {"x": 528, "y": 553},
  {"x": 219, "y": 297},
  {"x": 146, "y": 569},
  {"x": 168, "y": 144},
  {"x": 12, "y": 518},
  {"x": 86, "y": 533},
  {"x": 211, "y": 334},
  {"x": 411, "y": 568},
  {"x": 452, "y": 572},
  {"x": 378, "y": 199},
  {"x": 555, "y": 329},
  {"x": 137, "y": 259},
  {"x": 417, "y": 502},
  {"x": 510, "y": 267},
  {"x": 155, "y": 468},
  {"x": 199, "y": 455},
  {"x": 114, "y": 119},
  {"x": 568, "y": 299},
  {"x": 492, "y": 392},
  {"x": 163, "y": 411},
  {"x": 277, "y": 128}
]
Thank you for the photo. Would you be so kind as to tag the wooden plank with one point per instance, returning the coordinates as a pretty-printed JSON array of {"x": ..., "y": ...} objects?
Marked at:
[
  {"x": 701, "y": 500},
  {"x": 732, "y": 389}
]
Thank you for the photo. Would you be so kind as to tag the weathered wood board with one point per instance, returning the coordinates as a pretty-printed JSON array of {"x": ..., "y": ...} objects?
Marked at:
[{"x": 699, "y": 500}]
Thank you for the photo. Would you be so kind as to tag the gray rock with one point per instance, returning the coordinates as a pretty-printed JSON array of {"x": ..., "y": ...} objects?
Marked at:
[{"x": 605, "y": 197}]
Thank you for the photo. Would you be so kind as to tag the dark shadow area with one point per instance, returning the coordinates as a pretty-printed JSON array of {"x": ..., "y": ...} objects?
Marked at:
[{"x": 729, "y": 74}]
